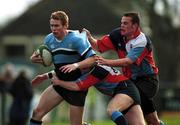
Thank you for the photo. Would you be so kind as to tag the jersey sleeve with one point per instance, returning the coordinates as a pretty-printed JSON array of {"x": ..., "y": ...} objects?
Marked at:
[
  {"x": 138, "y": 51},
  {"x": 89, "y": 81},
  {"x": 104, "y": 44},
  {"x": 97, "y": 74},
  {"x": 47, "y": 40}
]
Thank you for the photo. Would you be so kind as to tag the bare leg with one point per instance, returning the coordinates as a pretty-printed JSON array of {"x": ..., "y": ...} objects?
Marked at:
[
  {"x": 76, "y": 114},
  {"x": 119, "y": 103},
  {"x": 135, "y": 116},
  {"x": 48, "y": 100},
  {"x": 152, "y": 119}
]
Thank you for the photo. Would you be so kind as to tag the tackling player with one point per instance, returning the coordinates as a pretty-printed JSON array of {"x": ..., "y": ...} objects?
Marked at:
[
  {"x": 125, "y": 96},
  {"x": 135, "y": 53}
]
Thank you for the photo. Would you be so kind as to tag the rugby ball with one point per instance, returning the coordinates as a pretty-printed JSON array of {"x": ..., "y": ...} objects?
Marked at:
[{"x": 45, "y": 54}]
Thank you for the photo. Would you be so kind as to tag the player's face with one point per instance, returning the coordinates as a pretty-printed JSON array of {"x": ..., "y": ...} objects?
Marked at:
[
  {"x": 127, "y": 27},
  {"x": 57, "y": 28}
]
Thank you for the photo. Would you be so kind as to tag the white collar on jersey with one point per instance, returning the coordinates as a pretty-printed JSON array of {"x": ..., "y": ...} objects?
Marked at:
[{"x": 58, "y": 40}]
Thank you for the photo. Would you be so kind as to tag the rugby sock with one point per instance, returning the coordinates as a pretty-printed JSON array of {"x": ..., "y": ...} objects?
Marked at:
[
  {"x": 161, "y": 123},
  {"x": 35, "y": 122},
  {"x": 119, "y": 118}
]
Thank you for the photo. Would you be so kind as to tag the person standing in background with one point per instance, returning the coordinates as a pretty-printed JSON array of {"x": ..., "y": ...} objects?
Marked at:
[
  {"x": 3, "y": 98},
  {"x": 22, "y": 93},
  {"x": 6, "y": 79}
]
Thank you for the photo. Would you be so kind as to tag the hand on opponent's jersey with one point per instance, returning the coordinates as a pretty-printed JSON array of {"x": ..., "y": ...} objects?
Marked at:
[
  {"x": 69, "y": 68},
  {"x": 101, "y": 61},
  {"x": 56, "y": 81}
]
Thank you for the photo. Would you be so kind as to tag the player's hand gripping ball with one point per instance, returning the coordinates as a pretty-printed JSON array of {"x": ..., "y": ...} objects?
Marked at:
[{"x": 45, "y": 55}]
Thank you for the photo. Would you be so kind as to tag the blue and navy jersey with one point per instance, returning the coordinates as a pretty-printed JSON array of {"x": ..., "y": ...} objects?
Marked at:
[
  {"x": 104, "y": 78},
  {"x": 73, "y": 48}
]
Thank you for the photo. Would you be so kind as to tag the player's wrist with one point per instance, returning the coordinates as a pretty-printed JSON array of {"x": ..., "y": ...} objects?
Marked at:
[
  {"x": 50, "y": 75},
  {"x": 76, "y": 65}
]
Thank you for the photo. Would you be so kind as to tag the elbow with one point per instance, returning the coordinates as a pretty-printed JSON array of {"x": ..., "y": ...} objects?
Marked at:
[{"x": 127, "y": 62}]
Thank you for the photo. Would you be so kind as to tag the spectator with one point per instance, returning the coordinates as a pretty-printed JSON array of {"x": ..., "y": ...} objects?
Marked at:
[
  {"x": 21, "y": 92},
  {"x": 6, "y": 79},
  {"x": 3, "y": 98}
]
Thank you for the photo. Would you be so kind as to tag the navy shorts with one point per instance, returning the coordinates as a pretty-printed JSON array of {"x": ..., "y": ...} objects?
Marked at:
[
  {"x": 148, "y": 86},
  {"x": 76, "y": 98},
  {"x": 128, "y": 88}
]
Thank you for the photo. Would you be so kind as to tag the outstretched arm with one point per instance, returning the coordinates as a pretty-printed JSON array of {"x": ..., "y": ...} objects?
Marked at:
[
  {"x": 91, "y": 39},
  {"x": 67, "y": 85},
  {"x": 114, "y": 62},
  {"x": 84, "y": 84},
  {"x": 87, "y": 63},
  {"x": 41, "y": 77}
]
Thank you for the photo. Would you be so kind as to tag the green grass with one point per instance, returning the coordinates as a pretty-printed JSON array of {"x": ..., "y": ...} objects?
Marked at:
[
  {"x": 171, "y": 119},
  {"x": 108, "y": 122},
  {"x": 168, "y": 119}
]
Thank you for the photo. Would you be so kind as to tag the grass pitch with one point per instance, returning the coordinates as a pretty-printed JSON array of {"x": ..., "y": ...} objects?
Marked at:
[{"x": 169, "y": 118}]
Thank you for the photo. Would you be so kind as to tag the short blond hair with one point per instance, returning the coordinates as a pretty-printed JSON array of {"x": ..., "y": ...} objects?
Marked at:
[{"x": 62, "y": 16}]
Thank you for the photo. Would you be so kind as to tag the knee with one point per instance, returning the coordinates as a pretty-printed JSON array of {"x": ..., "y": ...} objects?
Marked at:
[{"x": 110, "y": 111}]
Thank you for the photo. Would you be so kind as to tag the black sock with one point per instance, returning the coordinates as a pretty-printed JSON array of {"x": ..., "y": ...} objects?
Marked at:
[
  {"x": 35, "y": 122},
  {"x": 119, "y": 118}
]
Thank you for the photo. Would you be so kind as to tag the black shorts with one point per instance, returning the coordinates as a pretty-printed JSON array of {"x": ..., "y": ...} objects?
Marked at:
[
  {"x": 76, "y": 98},
  {"x": 128, "y": 88},
  {"x": 148, "y": 86}
]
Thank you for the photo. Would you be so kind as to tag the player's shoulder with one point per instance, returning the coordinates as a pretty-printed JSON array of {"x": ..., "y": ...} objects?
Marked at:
[
  {"x": 115, "y": 31},
  {"x": 48, "y": 37},
  {"x": 75, "y": 35},
  {"x": 79, "y": 38},
  {"x": 72, "y": 36},
  {"x": 115, "y": 35},
  {"x": 141, "y": 37},
  {"x": 140, "y": 40}
]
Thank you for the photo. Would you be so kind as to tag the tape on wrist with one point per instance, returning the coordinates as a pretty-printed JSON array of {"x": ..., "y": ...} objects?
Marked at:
[
  {"x": 76, "y": 65},
  {"x": 50, "y": 75}
]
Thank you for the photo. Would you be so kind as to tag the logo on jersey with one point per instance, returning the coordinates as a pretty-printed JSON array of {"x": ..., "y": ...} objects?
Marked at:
[
  {"x": 131, "y": 46},
  {"x": 52, "y": 46},
  {"x": 119, "y": 45}
]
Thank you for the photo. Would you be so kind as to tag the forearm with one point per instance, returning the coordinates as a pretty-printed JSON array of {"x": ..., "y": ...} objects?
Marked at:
[
  {"x": 67, "y": 85},
  {"x": 87, "y": 63},
  {"x": 120, "y": 62},
  {"x": 93, "y": 43},
  {"x": 40, "y": 78},
  {"x": 91, "y": 39}
]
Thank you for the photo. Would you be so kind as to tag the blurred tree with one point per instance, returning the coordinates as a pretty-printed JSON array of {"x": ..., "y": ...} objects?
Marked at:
[
  {"x": 165, "y": 35},
  {"x": 160, "y": 20}
]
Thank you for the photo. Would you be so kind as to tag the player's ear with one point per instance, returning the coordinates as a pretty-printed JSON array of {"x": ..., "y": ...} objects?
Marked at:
[
  {"x": 66, "y": 26},
  {"x": 135, "y": 26}
]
